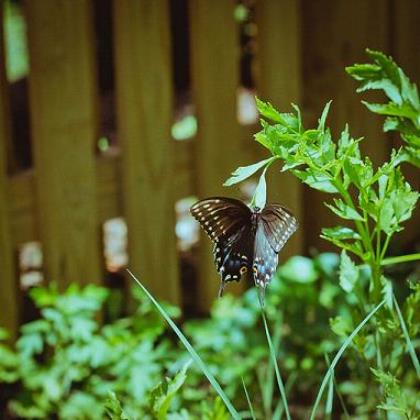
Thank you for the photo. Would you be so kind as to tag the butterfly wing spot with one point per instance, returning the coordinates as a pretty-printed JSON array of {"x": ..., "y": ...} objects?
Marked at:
[{"x": 243, "y": 270}]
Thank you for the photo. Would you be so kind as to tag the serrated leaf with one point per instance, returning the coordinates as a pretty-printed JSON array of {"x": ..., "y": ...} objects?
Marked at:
[
  {"x": 344, "y": 211},
  {"x": 267, "y": 110},
  {"x": 349, "y": 273},
  {"x": 340, "y": 232},
  {"x": 163, "y": 394},
  {"x": 244, "y": 172}
]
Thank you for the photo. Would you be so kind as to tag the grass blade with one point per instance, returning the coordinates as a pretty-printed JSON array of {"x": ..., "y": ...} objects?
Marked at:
[
  {"x": 251, "y": 408},
  {"x": 410, "y": 346},
  {"x": 276, "y": 367},
  {"x": 337, "y": 357},
  {"x": 330, "y": 397},
  {"x": 197, "y": 359}
]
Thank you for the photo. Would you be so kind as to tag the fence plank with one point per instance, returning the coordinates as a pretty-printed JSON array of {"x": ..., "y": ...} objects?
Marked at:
[
  {"x": 279, "y": 59},
  {"x": 215, "y": 77},
  {"x": 406, "y": 31},
  {"x": 335, "y": 35},
  {"x": 64, "y": 125},
  {"x": 8, "y": 294},
  {"x": 144, "y": 112}
]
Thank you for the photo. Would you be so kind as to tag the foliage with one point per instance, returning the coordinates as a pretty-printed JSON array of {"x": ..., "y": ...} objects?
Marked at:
[
  {"x": 68, "y": 363},
  {"x": 372, "y": 202}
]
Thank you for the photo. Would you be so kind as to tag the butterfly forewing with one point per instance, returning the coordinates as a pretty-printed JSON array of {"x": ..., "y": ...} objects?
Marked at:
[
  {"x": 279, "y": 224},
  {"x": 228, "y": 223},
  {"x": 221, "y": 217}
]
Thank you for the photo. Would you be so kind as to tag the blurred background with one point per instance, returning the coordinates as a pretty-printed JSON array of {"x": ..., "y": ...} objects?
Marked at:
[{"x": 116, "y": 116}]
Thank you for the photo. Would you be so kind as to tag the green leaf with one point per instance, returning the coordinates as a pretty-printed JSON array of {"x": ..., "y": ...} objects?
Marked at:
[
  {"x": 340, "y": 232},
  {"x": 341, "y": 326},
  {"x": 349, "y": 273},
  {"x": 268, "y": 111},
  {"x": 344, "y": 211},
  {"x": 316, "y": 180},
  {"x": 299, "y": 269},
  {"x": 113, "y": 408},
  {"x": 244, "y": 172},
  {"x": 322, "y": 120},
  {"x": 260, "y": 194},
  {"x": 163, "y": 394}
]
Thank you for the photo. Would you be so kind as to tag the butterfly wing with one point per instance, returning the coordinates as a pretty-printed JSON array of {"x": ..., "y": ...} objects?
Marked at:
[
  {"x": 228, "y": 224},
  {"x": 221, "y": 217},
  {"x": 275, "y": 226},
  {"x": 279, "y": 224},
  {"x": 265, "y": 257}
]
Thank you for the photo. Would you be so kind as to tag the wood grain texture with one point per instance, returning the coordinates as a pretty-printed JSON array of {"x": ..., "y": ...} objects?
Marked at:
[
  {"x": 280, "y": 82},
  {"x": 144, "y": 115},
  {"x": 62, "y": 85},
  {"x": 8, "y": 279},
  {"x": 218, "y": 148},
  {"x": 335, "y": 35},
  {"x": 405, "y": 42}
]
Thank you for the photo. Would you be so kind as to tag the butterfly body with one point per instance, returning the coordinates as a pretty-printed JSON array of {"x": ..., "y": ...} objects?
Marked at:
[{"x": 246, "y": 240}]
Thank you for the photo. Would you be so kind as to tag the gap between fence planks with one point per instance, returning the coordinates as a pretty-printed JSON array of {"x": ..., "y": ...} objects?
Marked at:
[
  {"x": 144, "y": 115},
  {"x": 62, "y": 90},
  {"x": 9, "y": 314}
]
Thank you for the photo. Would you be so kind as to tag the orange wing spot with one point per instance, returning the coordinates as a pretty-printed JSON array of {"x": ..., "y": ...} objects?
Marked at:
[{"x": 243, "y": 270}]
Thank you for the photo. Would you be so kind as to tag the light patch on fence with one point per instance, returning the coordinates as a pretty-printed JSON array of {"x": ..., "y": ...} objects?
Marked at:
[
  {"x": 16, "y": 49},
  {"x": 30, "y": 265},
  {"x": 186, "y": 228},
  {"x": 247, "y": 112},
  {"x": 185, "y": 126},
  {"x": 115, "y": 244}
]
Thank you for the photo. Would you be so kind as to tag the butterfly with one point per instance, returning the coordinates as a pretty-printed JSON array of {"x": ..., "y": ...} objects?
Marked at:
[{"x": 246, "y": 240}]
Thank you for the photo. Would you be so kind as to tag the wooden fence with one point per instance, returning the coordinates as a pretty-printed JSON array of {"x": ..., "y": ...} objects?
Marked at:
[{"x": 71, "y": 190}]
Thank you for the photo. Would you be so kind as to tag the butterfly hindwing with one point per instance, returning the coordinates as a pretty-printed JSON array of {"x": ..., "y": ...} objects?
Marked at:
[
  {"x": 265, "y": 258},
  {"x": 279, "y": 225}
]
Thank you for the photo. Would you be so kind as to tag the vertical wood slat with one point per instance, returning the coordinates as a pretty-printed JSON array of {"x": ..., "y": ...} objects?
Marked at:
[
  {"x": 64, "y": 127},
  {"x": 405, "y": 40},
  {"x": 215, "y": 78},
  {"x": 279, "y": 59},
  {"x": 144, "y": 115},
  {"x": 8, "y": 280},
  {"x": 335, "y": 35}
]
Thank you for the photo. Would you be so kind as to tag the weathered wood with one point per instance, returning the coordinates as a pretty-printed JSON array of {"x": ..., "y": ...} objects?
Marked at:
[
  {"x": 144, "y": 114},
  {"x": 8, "y": 283},
  {"x": 280, "y": 82},
  {"x": 405, "y": 43},
  {"x": 62, "y": 85},
  {"x": 335, "y": 35},
  {"x": 23, "y": 209},
  {"x": 215, "y": 78}
]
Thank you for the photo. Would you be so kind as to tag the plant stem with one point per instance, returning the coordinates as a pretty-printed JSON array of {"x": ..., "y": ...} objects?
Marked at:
[{"x": 400, "y": 259}]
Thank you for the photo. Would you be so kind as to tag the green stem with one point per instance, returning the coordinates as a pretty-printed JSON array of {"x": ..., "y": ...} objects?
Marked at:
[{"x": 400, "y": 259}]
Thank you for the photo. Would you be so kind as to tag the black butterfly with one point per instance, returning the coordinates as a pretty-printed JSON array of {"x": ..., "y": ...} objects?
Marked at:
[{"x": 244, "y": 238}]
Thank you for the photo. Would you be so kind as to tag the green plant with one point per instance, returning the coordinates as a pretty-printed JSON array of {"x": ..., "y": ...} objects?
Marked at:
[
  {"x": 373, "y": 203},
  {"x": 67, "y": 363}
]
